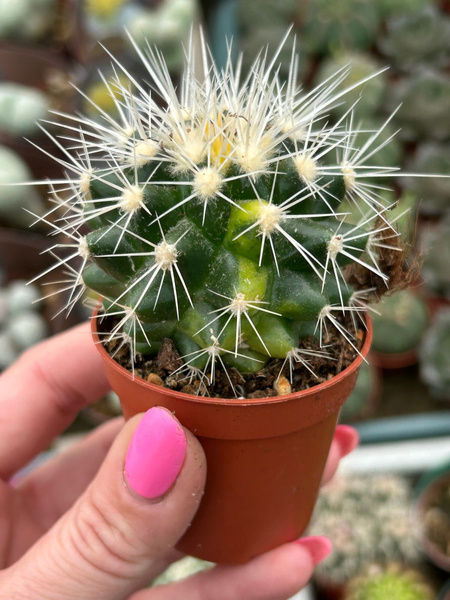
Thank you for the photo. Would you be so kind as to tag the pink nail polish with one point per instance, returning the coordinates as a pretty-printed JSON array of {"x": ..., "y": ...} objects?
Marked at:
[
  {"x": 318, "y": 546},
  {"x": 156, "y": 454},
  {"x": 347, "y": 438}
]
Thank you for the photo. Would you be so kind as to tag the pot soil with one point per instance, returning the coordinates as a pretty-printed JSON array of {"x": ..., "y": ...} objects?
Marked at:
[{"x": 265, "y": 457}]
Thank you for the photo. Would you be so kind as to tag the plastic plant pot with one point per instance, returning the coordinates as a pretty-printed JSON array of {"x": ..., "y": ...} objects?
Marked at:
[{"x": 265, "y": 457}]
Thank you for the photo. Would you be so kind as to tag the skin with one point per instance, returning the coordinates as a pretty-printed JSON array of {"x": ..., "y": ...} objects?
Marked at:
[{"x": 73, "y": 528}]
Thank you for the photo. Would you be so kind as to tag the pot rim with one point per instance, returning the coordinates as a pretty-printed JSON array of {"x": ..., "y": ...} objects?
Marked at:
[{"x": 312, "y": 391}]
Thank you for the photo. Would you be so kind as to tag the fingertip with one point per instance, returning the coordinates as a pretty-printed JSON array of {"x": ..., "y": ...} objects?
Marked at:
[
  {"x": 347, "y": 437},
  {"x": 318, "y": 547}
]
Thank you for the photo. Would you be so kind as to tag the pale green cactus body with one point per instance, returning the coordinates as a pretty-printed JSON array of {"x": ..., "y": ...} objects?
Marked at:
[
  {"x": 434, "y": 352},
  {"x": 392, "y": 583},
  {"x": 216, "y": 221}
]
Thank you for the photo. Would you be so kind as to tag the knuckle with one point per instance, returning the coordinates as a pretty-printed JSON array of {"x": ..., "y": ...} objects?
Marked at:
[{"x": 100, "y": 538}]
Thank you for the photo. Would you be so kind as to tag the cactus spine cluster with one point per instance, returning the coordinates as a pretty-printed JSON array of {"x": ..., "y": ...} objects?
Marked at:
[{"x": 214, "y": 216}]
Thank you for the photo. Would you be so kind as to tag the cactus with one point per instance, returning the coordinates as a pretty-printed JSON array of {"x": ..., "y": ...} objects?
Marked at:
[
  {"x": 399, "y": 324},
  {"x": 20, "y": 108},
  {"x": 435, "y": 270},
  {"x": 431, "y": 158},
  {"x": 333, "y": 26},
  {"x": 357, "y": 404},
  {"x": 368, "y": 521},
  {"x": 417, "y": 37},
  {"x": 393, "y": 583},
  {"x": 27, "y": 20},
  {"x": 426, "y": 105},
  {"x": 362, "y": 66},
  {"x": 216, "y": 221},
  {"x": 434, "y": 353}
]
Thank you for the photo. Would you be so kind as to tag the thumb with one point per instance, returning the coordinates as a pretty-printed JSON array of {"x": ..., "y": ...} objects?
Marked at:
[{"x": 121, "y": 532}]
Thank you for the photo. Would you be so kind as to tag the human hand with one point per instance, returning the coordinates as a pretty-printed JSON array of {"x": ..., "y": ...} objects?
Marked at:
[{"x": 101, "y": 520}]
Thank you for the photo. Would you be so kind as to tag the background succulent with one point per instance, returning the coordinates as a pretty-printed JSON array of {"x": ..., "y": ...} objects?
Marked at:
[
  {"x": 393, "y": 583},
  {"x": 368, "y": 520},
  {"x": 434, "y": 353}
]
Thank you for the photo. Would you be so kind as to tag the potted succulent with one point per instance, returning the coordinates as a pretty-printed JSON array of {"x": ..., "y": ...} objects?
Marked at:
[
  {"x": 393, "y": 582},
  {"x": 399, "y": 325},
  {"x": 234, "y": 293},
  {"x": 368, "y": 520},
  {"x": 434, "y": 353}
]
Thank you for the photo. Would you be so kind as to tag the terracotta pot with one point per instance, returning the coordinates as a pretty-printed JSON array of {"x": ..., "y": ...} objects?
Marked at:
[
  {"x": 265, "y": 457},
  {"x": 401, "y": 360}
]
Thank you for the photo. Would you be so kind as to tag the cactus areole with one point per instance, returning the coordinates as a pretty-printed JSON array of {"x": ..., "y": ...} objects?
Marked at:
[{"x": 212, "y": 218}]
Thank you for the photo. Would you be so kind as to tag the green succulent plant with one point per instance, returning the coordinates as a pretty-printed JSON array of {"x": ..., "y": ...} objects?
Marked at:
[
  {"x": 435, "y": 271},
  {"x": 392, "y": 583},
  {"x": 215, "y": 221},
  {"x": 434, "y": 353},
  {"x": 399, "y": 323},
  {"x": 419, "y": 37},
  {"x": 357, "y": 403},
  {"x": 431, "y": 157},
  {"x": 332, "y": 26},
  {"x": 368, "y": 520}
]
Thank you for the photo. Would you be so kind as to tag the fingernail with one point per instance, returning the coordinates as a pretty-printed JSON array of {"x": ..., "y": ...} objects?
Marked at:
[
  {"x": 318, "y": 546},
  {"x": 156, "y": 454},
  {"x": 347, "y": 438}
]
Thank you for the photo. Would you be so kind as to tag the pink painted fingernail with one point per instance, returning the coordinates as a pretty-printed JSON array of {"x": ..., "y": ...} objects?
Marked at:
[
  {"x": 347, "y": 438},
  {"x": 156, "y": 454},
  {"x": 318, "y": 546}
]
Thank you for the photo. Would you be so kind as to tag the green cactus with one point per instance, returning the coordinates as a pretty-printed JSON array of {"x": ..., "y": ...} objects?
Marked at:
[
  {"x": 425, "y": 99},
  {"x": 431, "y": 157},
  {"x": 434, "y": 353},
  {"x": 368, "y": 521},
  {"x": 399, "y": 323},
  {"x": 357, "y": 404},
  {"x": 368, "y": 97},
  {"x": 419, "y": 37},
  {"x": 435, "y": 271},
  {"x": 392, "y": 583},
  {"x": 333, "y": 26},
  {"x": 216, "y": 221}
]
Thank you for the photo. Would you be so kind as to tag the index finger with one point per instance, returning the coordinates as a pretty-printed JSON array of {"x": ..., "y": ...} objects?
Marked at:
[{"x": 41, "y": 394}]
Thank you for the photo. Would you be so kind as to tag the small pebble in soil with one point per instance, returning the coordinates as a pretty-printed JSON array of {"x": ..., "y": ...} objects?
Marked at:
[
  {"x": 156, "y": 379},
  {"x": 282, "y": 386}
]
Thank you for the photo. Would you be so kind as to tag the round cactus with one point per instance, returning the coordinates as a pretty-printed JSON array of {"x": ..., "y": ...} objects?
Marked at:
[
  {"x": 392, "y": 583},
  {"x": 434, "y": 367},
  {"x": 215, "y": 220}
]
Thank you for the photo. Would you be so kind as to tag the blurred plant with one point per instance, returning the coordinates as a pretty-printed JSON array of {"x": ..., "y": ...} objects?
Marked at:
[
  {"x": 103, "y": 9},
  {"x": 435, "y": 269},
  {"x": 27, "y": 20},
  {"x": 15, "y": 201},
  {"x": 165, "y": 27},
  {"x": 434, "y": 356},
  {"x": 417, "y": 37},
  {"x": 21, "y": 325},
  {"x": 392, "y": 583},
  {"x": 332, "y": 26},
  {"x": 425, "y": 99},
  {"x": 357, "y": 404},
  {"x": 369, "y": 96},
  {"x": 20, "y": 109},
  {"x": 399, "y": 323},
  {"x": 434, "y": 194},
  {"x": 368, "y": 520}
]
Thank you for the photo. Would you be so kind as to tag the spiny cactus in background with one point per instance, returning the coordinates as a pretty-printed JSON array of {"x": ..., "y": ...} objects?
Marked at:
[
  {"x": 392, "y": 583},
  {"x": 27, "y": 20},
  {"x": 434, "y": 353},
  {"x": 216, "y": 221},
  {"x": 435, "y": 271},
  {"x": 399, "y": 323},
  {"x": 368, "y": 520}
]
